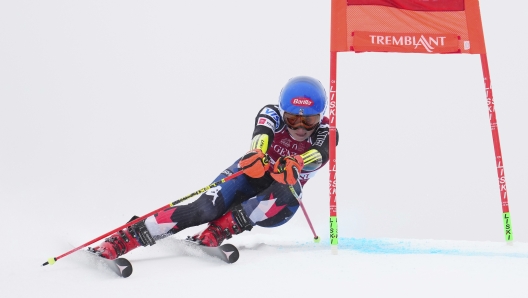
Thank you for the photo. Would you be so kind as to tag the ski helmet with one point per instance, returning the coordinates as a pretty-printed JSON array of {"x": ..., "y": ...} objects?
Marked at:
[{"x": 303, "y": 96}]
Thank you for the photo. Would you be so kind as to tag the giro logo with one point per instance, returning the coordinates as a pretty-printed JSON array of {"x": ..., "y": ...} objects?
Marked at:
[
  {"x": 302, "y": 102},
  {"x": 405, "y": 42}
]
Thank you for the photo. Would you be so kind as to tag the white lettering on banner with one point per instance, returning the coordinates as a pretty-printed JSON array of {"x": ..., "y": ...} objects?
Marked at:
[{"x": 427, "y": 43}]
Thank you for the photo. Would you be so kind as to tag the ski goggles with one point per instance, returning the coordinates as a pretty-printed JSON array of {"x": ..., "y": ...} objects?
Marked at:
[{"x": 297, "y": 121}]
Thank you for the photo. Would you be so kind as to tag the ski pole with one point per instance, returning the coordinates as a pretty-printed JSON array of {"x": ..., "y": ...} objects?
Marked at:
[
  {"x": 52, "y": 261},
  {"x": 316, "y": 238}
]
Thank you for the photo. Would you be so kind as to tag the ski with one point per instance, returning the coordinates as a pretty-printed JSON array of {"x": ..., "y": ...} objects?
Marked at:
[
  {"x": 119, "y": 266},
  {"x": 123, "y": 268},
  {"x": 225, "y": 252}
]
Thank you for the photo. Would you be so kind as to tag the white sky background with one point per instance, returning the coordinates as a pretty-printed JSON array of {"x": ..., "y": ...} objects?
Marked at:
[{"x": 113, "y": 109}]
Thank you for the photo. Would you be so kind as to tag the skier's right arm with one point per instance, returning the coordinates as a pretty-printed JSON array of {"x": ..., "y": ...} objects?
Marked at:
[
  {"x": 266, "y": 123},
  {"x": 255, "y": 162}
]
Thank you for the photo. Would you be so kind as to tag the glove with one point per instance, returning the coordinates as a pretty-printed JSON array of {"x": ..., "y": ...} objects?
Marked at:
[
  {"x": 254, "y": 163},
  {"x": 287, "y": 169}
]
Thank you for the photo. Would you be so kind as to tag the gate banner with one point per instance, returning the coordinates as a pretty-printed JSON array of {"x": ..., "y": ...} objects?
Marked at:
[{"x": 407, "y": 26}]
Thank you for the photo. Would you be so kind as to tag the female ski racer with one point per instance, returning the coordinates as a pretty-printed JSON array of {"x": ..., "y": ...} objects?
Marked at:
[{"x": 289, "y": 144}]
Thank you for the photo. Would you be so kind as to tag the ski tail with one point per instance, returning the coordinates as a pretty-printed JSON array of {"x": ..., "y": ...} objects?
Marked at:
[
  {"x": 124, "y": 267},
  {"x": 120, "y": 266},
  {"x": 226, "y": 252}
]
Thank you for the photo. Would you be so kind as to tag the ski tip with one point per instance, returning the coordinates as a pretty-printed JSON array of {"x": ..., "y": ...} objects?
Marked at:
[{"x": 226, "y": 252}]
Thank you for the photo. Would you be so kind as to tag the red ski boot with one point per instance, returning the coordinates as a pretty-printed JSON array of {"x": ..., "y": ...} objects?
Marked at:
[
  {"x": 116, "y": 245},
  {"x": 124, "y": 241},
  {"x": 232, "y": 223}
]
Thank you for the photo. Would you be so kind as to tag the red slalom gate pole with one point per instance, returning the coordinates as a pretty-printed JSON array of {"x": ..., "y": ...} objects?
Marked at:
[
  {"x": 52, "y": 261},
  {"x": 508, "y": 234},
  {"x": 332, "y": 150}
]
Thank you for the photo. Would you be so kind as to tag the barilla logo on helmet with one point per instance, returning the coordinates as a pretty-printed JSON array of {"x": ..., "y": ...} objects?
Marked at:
[{"x": 302, "y": 102}]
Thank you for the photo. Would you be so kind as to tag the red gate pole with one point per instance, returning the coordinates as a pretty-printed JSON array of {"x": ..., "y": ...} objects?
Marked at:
[
  {"x": 332, "y": 161},
  {"x": 508, "y": 234}
]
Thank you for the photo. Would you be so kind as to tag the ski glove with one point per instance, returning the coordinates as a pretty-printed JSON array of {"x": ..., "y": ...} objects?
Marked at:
[
  {"x": 254, "y": 163},
  {"x": 287, "y": 169}
]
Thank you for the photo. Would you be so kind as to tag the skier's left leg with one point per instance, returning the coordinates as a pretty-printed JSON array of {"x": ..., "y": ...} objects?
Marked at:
[{"x": 272, "y": 207}]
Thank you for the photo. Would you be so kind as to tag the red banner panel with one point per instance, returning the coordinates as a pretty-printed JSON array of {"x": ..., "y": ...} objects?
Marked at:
[{"x": 417, "y": 5}]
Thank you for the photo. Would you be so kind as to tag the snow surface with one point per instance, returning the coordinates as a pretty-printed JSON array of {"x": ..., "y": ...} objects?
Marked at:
[
  {"x": 273, "y": 266},
  {"x": 110, "y": 109}
]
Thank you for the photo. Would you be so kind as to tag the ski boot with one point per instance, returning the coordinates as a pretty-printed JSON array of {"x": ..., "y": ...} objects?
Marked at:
[
  {"x": 124, "y": 241},
  {"x": 231, "y": 223}
]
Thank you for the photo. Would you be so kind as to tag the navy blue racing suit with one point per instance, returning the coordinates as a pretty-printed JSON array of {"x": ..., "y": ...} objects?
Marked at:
[{"x": 265, "y": 201}]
